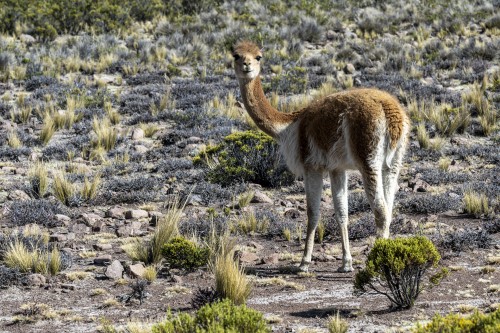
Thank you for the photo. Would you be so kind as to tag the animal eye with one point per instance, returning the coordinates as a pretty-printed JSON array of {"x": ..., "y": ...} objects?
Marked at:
[
  {"x": 236, "y": 57},
  {"x": 258, "y": 58}
]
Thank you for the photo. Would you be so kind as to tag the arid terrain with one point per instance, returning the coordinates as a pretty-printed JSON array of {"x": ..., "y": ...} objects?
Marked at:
[{"x": 120, "y": 119}]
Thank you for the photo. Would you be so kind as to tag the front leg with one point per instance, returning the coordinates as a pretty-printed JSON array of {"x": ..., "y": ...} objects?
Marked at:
[{"x": 313, "y": 182}]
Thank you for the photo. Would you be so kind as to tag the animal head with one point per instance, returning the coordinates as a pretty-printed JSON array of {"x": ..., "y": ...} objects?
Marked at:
[{"x": 247, "y": 58}]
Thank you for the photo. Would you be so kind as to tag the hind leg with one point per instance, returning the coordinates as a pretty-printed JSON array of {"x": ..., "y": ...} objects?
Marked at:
[
  {"x": 390, "y": 179},
  {"x": 338, "y": 181},
  {"x": 374, "y": 189}
]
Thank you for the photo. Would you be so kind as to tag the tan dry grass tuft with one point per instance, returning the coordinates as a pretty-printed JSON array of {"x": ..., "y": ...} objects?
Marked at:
[
  {"x": 48, "y": 129},
  {"x": 64, "y": 190},
  {"x": 230, "y": 280},
  {"x": 337, "y": 324},
  {"x": 13, "y": 140},
  {"x": 38, "y": 178},
  {"x": 89, "y": 189},
  {"x": 475, "y": 204},
  {"x": 105, "y": 134}
]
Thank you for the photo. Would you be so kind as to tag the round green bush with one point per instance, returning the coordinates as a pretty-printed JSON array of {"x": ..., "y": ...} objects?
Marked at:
[
  {"x": 250, "y": 156},
  {"x": 218, "y": 317},
  {"x": 184, "y": 254},
  {"x": 395, "y": 268}
]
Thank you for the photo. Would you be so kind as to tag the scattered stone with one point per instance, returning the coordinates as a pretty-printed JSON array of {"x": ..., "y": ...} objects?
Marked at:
[
  {"x": 260, "y": 197},
  {"x": 63, "y": 219},
  {"x": 246, "y": 257},
  {"x": 141, "y": 149},
  {"x": 89, "y": 219},
  {"x": 115, "y": 212},
  {"x": 115, "y": 270},
  {"x": 124, "y": 231},
  {"x": 176, "y": 278},
  {"x": 27, "y": 39},
  {"x": 80, "y": 228},
  {"x": 57, "y": 238},
  {"x": 136, "y": 270},
  {"x": 194, "y": 139},
  {"x": 255, "y": 245},
  {"x": 136, "y": 214},
  {"x": 18, "y": 195},
  {"x": 102, "y": 260},
  {"x": 98, "y": 226},
  {"x": 68, "y": 286},
  {"x": 349, "y": 69},
  {"x": 36, "y": 280},
  {"x": 272, "y": 259},
  {"x": 136, "y": 225},
  {"x": 103, "y": 247},
  {"x": 137, "y": 134},
  {"x": 292, "y": 213},
  {"x": 323, "y": 257},
  {"x": 418, "y": 185}
]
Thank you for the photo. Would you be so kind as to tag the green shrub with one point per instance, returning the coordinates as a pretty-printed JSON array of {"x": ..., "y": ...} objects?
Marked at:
[
  {"x": 222, "y": 316},
  {"x": 453, "y": 323},
  {"x": 395, "y": 268},
  {"x": 249, "y": 156},
  {"x": 182, "y": 253}
]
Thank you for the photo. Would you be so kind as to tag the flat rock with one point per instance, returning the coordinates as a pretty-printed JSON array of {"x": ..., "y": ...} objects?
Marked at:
[
  {"x": 115, "y": 270},
  {"x": 124, "y": 231},
  {"x": 18, "y": 195},
  {"x": 36, "y": 280},
  {"x": 80, "y": 228},
  {"x": 255, "y": 245},
  {"x": 260, "y": 197},
  {"x": 136, "y": 214},
  {"x": 292, "y": 213},
  {"x": 63, "y": 219},
  {"x": 136, "y": 270},
  {"x": 272, "y": 259},
  {"x": 115, "y": 213},
  {"x": 103, "y": 247},
  {"x": 103, "y": 260},
  {"x": 89, "y": 219},
  {"x": 137, "y": 134},
  {"x": 247, "y": 257}
]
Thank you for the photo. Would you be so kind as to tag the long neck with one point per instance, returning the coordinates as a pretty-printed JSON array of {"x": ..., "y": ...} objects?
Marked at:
[{"x": 267, "y": 118}]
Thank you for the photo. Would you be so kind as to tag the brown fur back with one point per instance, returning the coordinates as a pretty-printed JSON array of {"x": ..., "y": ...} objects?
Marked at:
[{"x": 364, "y": 110}]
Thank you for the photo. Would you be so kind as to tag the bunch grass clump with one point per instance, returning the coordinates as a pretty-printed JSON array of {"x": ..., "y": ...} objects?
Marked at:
[
  {"x": 105, "y": 135},
  {"x": 13, "y": 140},
  {"x": 475, "y": 203},
  {"x": 230, "y": 280},
  {"x": 34, "y": 260},
  {"x": 48, "y": 129},
  {"x": 395, "y": 267},
  {"x": 337, "y": 324},
  {"x": 150, "y": 251},
  {"x": 39, "y": 181},
  {"x": 64, "y": 189}
]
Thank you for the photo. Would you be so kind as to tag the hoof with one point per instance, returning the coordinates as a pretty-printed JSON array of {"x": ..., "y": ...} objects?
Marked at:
[
  {"x": 345, "y": 269},
  {"x": 304, "y": 267}
]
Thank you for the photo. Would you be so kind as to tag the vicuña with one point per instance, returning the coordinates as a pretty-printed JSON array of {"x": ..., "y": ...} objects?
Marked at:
[{"x": 363, "y": 129}]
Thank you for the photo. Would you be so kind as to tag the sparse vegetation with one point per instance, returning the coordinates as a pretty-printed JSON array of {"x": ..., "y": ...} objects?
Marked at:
[
  {"x": 477, "y": 322},
  {"x": 78, "y": 78},
  {"x": 182, "y": 253}
]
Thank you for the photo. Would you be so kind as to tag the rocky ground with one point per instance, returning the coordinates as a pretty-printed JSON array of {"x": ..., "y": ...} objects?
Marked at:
[{"x": 171, "y": 95}]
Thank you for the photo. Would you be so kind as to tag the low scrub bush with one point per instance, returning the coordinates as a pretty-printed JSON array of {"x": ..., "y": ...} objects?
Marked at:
[
  {"x": 454, "y": 323},
  {"x": 395, "y": 267},
  {"x": 222, "y": 316},
  {"x": 182, "y": 253},
  {"x": 465, "y": 240},
  {"x": 41, "y": 212},
  {"x": 248, "y": 156}
]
